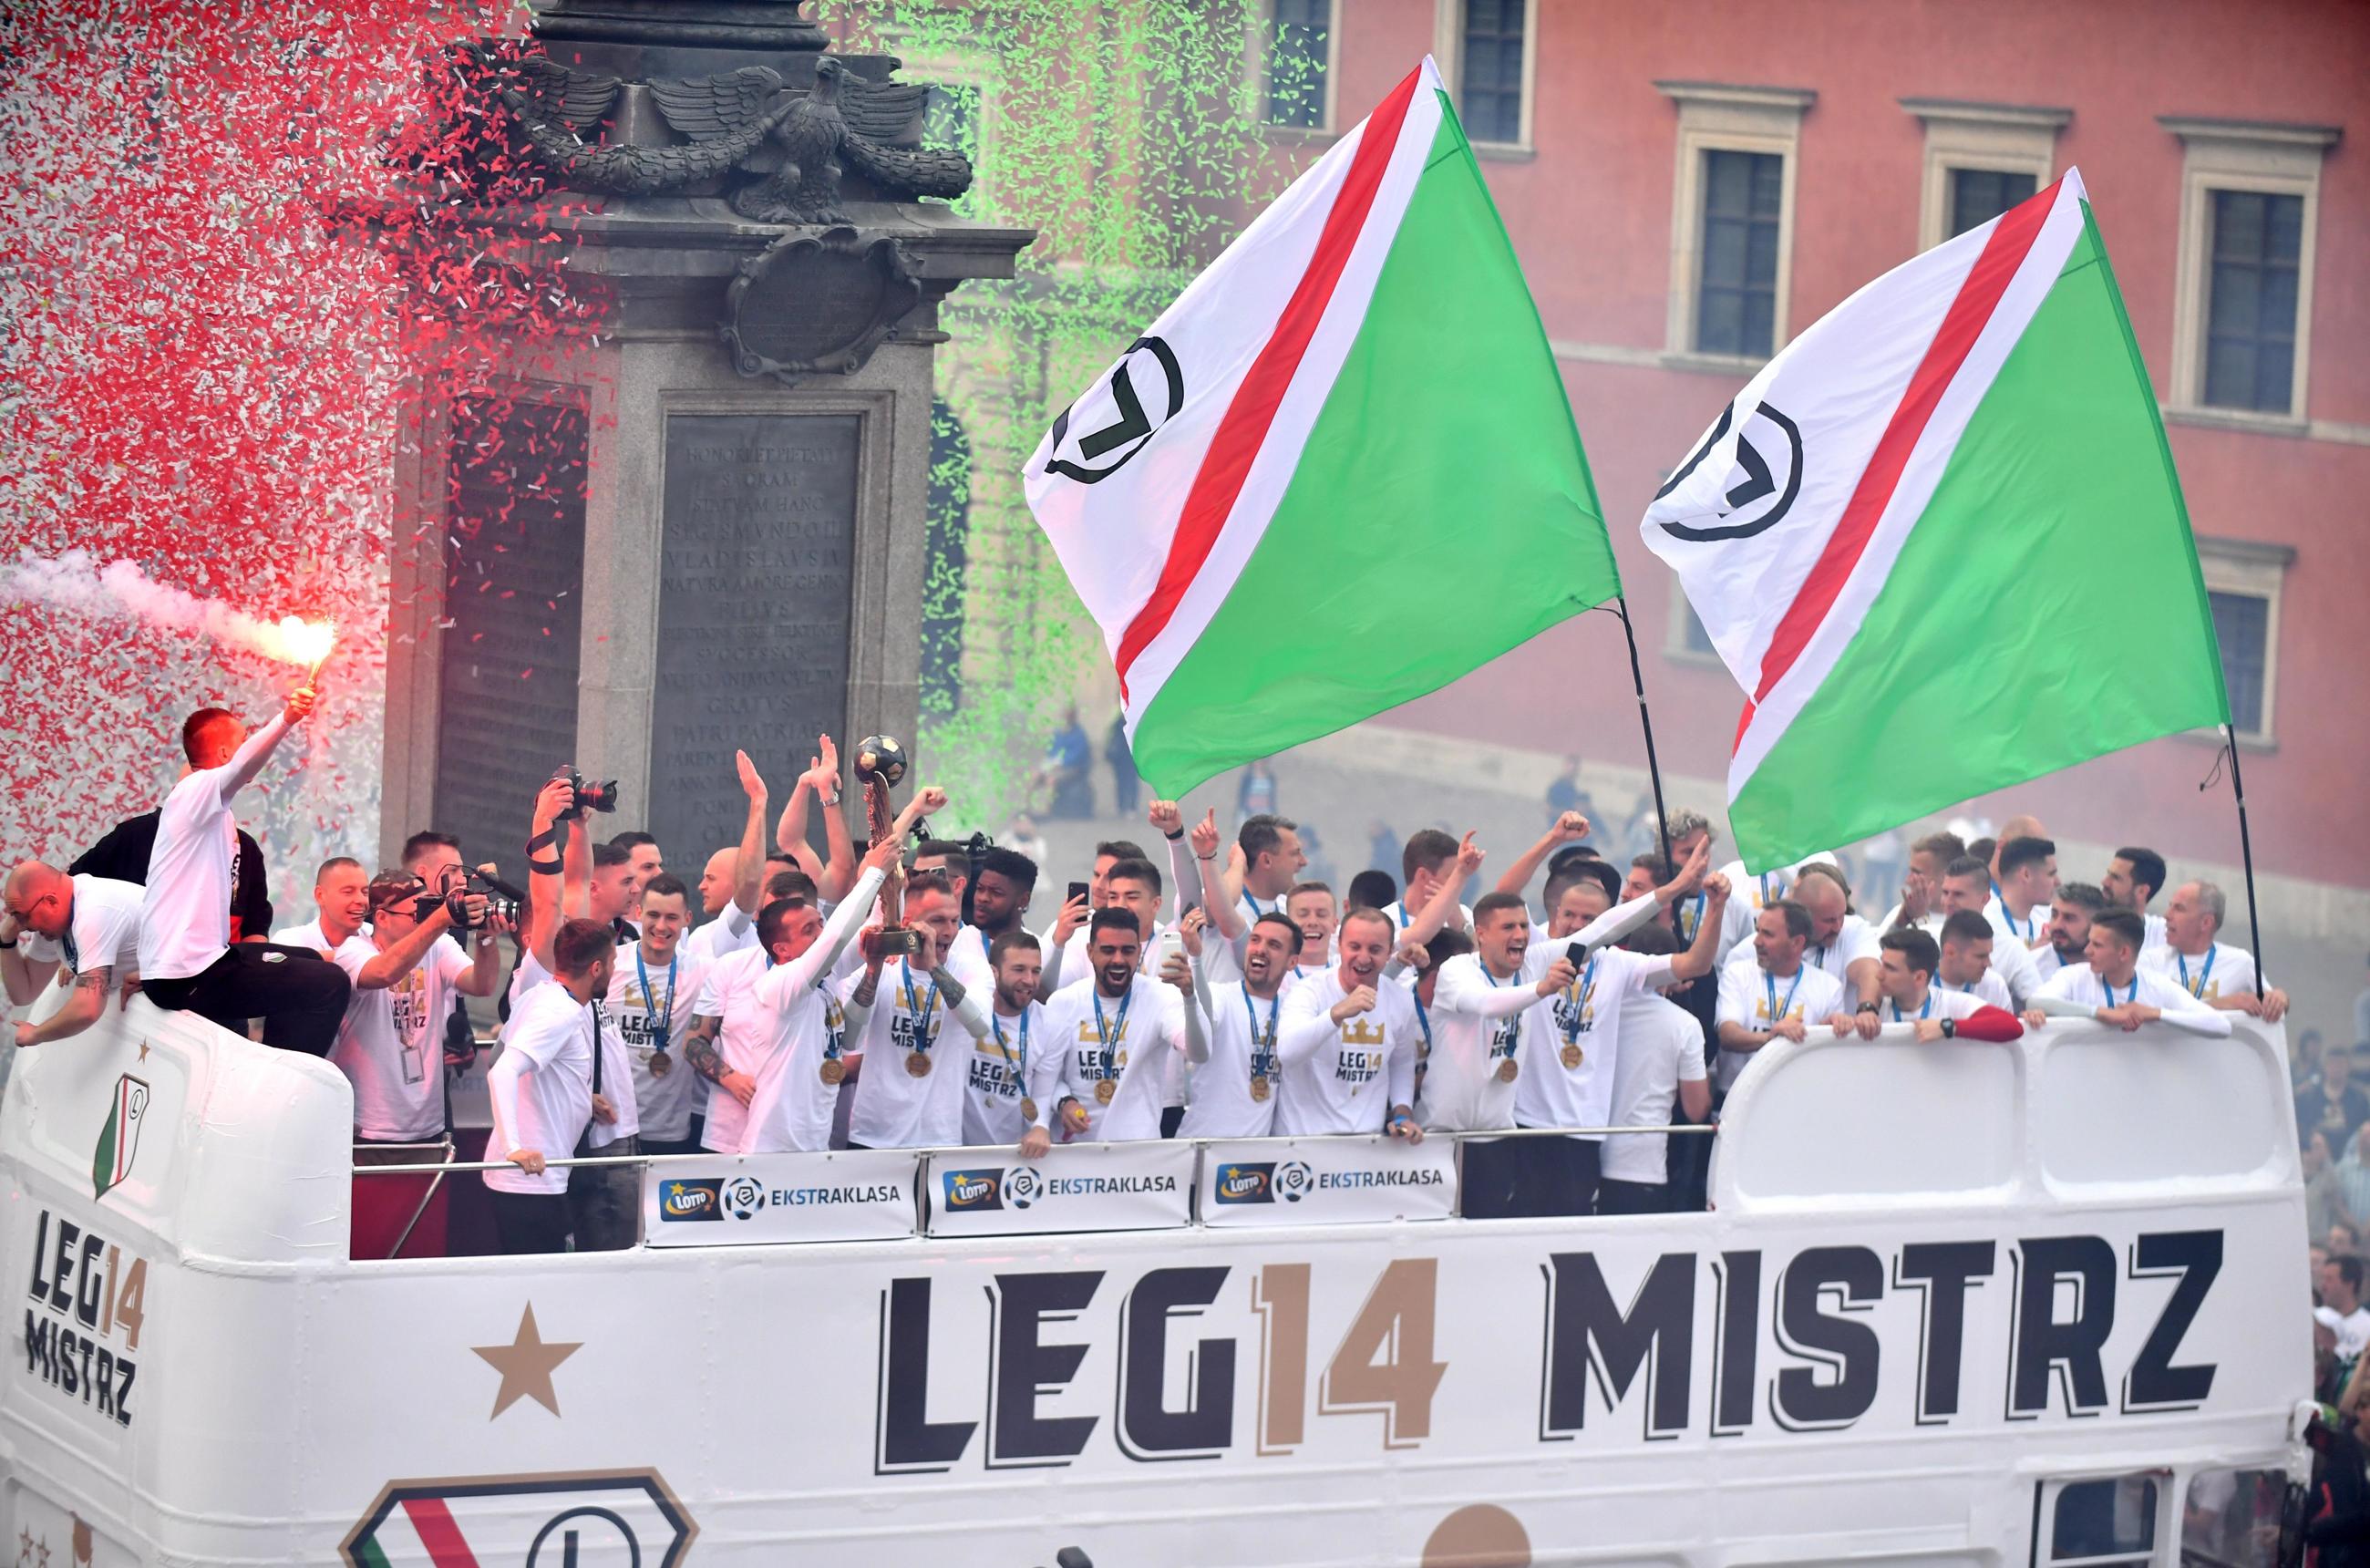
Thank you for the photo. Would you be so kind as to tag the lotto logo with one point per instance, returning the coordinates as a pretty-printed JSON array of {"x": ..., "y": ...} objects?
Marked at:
[
  {"x": 969, "y": 1192},
  {"x": 1246, "y": 1183},
  {"x": 689, "y": 1198}
]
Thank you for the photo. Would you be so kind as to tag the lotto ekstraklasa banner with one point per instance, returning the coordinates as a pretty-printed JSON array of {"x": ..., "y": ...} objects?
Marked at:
[
  {"x": 1121, "y": 1186},
  {"x": 1333, "y": 1180},
  {"x": 844, "y": 1195}
]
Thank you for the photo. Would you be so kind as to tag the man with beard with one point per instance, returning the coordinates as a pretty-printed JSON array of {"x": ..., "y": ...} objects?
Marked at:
[
  {"x": 1111, "y": 1035},
  {"x": 2116, "y": 990},
  {"x": 1000, "y": 1109},
  {"x": 1779, "y": 995},
  {"x": 1479, "y": 1003},
  {"x": 1235, "y": 1093},
  {"x": 911, "y": 1094},
  {"x": 2069, "y": 928},
  {"x": 1000, "y": 895}
]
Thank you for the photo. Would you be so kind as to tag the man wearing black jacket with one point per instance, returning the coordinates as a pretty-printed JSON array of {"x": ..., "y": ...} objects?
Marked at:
[{"x": 123, "y": 854}]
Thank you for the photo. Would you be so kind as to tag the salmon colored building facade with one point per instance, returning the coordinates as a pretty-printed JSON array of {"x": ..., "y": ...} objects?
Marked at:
[{"x": 1689, "y": 184}]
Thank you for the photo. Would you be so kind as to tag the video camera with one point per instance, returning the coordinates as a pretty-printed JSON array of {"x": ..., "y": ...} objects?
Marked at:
[{"x": 590, "y": 796}]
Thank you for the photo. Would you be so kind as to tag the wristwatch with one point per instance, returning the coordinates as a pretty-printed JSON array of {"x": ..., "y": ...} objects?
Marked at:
[
  {"x": 1949, "y": 1028},
  {"x": 1870, "y": 1008}
]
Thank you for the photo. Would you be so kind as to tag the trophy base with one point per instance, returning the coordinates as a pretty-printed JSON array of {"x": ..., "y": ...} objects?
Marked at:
[{"x": 892, "y": 941}]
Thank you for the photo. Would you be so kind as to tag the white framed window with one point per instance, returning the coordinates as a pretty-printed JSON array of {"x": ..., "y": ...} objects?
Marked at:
[
  {"x": 1733, "y": 220},
  {"x": 2242, "y": 283},
  {"x": 1293, "y": 50},
  {"x": 1981, "y": 159},
  {"x": 1488, "y": 53},
  {"x": 2243, "y": 578}
]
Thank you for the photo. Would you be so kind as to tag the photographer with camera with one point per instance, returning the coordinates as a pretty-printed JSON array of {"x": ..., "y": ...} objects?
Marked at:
[
  {"x": 187, "y": 959},
  {"x": 544, "y": 1090},
  {"x": 390, "y": 1046}
]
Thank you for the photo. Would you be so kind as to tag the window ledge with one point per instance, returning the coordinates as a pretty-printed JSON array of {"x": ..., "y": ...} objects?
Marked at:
[
  {"x": 1744, "y": 365},
  {"x": 2252, "y": 745},
  {"x": 1300, "y": 134},
  {"x": 2236, "y": 419},
  {"x": 1503, "y": 152}
]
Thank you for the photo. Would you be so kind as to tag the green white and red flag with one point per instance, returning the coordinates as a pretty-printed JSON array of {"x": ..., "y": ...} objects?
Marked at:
[
  {"x": 1337, "y": 473},
  {"x": 1940, "y": 542}
]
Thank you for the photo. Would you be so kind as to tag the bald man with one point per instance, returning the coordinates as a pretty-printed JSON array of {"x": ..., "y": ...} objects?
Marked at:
[{"x": 75, "y": 931}]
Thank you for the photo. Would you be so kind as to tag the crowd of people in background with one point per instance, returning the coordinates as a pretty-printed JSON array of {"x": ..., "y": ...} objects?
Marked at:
[{"x": 1194, "y": 982}]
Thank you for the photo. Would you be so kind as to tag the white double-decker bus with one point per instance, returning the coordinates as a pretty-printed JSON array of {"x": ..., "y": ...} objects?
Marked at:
[{"x": 2040, "y": 1303}]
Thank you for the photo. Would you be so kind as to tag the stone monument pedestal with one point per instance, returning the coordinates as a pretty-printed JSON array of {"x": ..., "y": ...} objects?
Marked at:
[{"x": 707, "y": 532}]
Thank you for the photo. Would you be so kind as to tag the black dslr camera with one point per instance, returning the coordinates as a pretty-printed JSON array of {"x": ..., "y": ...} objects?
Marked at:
[
  {"x": 590, "y": 796},
  {"x": 454, "y": 886}
]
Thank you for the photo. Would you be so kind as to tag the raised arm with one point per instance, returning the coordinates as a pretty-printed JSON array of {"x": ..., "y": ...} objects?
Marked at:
[
  {"x": 1703, "y": 954},
  {"x": 393, "y": 964},
  {"x": 1217, "y": 901},
  {"x": 23, "y": 978},
  {"x": 839, "y": 855},
  {"x": 1570, "y": 829},
  {"x": 545, "y": 872},
  {"x": 1442, "y": 908},
  {"x": 247, "y": 761},
  {"x": 749, "y": 858},
  {"x": 1168, "y": 820}
]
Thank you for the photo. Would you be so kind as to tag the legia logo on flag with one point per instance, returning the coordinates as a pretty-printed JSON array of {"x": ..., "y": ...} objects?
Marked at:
[{"x": 119, "y": 1141}]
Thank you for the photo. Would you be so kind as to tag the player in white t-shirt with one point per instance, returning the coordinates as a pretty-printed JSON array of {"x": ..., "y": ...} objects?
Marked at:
[
  {"x": 999, "y": 1107},
  {"x": 1966, "y": 943},
  {"x": 1576, "y": 1043},
  {"x": 903, "y": 1019},
  {"x": 808, "y": 1043},
  {"x": 653, "y": 998},
  {"x": 541, "y": 1089},
  {"x": 1430, "y": 860},
  {"x": 1841, "y": 942},
  {"x": 1921, "y": 886},
  {"x": 2114, "y": 989},
  {"x": 2132, "y": 877},
  {"x": 1777, "y": 995},
  {"x": 2024, "y": 879},
  {"x": 391, "y": 1044},
  {"x": 1966, "y": 889},
  {"x": 187, "y": 959},
  {"x": 1909, "y": 994},
  {"x": 2069, "y": 932},
  {"x": 1109, "y": 1039},
  {"x": 78, "y": 931},
  {"x": 1347, "y": 1043},
  {"x": 1235, "y": 1090},
  {"x": 1475, "y": 1021},
  {"x": 2211, "y": 971},
  {"x": 1661, "y": 1062}
]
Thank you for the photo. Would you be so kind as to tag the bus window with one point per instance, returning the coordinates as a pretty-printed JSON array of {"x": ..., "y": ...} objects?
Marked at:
[
  {"x": 2101, "y": 1523},
  {"x": 2231, "y": 1519}
]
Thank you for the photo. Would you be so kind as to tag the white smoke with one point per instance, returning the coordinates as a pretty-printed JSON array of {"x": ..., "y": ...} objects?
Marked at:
[{"x": 120, "y": 591}]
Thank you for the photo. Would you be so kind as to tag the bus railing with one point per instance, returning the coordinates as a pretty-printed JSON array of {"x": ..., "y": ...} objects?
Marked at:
[
  {"x": 1211, "y": 1178},
  {"x": 460, "y": 1167}
]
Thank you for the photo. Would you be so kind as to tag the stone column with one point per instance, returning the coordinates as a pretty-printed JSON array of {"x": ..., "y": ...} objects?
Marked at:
[{"x": 755, "y": 431}]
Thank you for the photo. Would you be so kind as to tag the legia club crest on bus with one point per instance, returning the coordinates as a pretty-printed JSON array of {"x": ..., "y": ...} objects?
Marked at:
[{"x": 119, "y": 1141}]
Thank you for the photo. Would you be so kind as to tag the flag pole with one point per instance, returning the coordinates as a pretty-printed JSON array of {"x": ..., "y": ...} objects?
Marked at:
[
  {"x": 1653, "y": 766},
  {"x": 2246, "y": 857}
]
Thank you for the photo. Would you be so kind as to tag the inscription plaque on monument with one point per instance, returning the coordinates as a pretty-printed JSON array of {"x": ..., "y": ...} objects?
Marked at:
[
  {"x": 514, "y": 579},
  {"x": 756, "y": 575}
]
